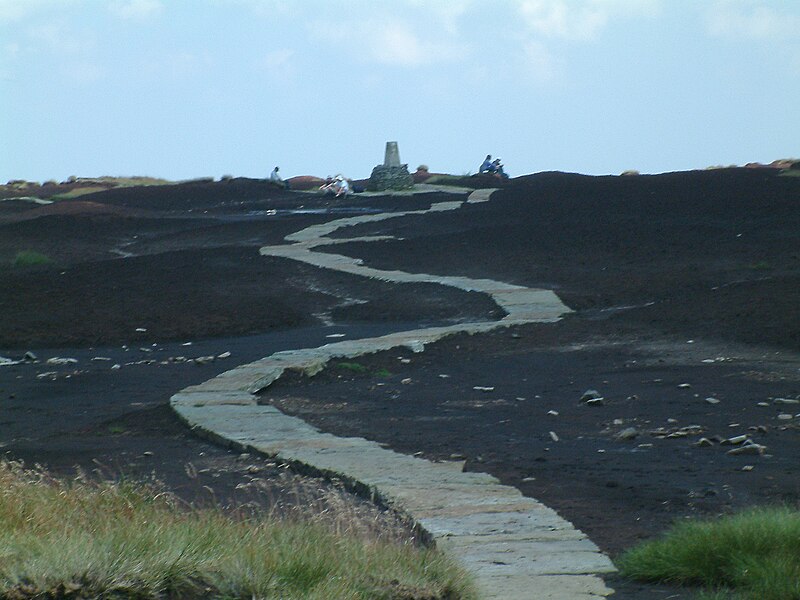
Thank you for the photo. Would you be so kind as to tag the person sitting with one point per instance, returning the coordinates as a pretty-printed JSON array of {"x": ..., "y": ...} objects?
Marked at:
[
  {"x": 338, "y": 185},
  {"x": 486, "y": 166},
  {"x": 341, "y": 186},
  {"x": 497, "y": 168},
  {"x": 275, "y": 177}
]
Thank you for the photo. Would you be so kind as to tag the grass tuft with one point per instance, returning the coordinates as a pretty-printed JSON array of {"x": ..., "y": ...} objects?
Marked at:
[
  {"x": 30, "y": 258},
  {"x": 125, "y": 540},
  {"x": 754, "y": 555},
  {"x": 353, "y": 367}
]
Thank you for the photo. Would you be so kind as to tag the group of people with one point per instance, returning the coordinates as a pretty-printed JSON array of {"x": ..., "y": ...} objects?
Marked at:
[
  {"x": 492, "y": 167},
  {"x": 339, "y": 186},
  {"x": 335, "y": 185}
]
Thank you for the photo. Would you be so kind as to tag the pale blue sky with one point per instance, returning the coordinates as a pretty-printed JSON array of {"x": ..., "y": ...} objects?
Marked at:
[{"x": 191, "y": 88}]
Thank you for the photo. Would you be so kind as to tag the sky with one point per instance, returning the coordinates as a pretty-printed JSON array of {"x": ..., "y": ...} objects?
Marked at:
[{"x": 181, "y": 89}]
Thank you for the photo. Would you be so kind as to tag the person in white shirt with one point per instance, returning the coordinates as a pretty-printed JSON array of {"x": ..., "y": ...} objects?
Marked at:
[{"x": 341, "y": 185}]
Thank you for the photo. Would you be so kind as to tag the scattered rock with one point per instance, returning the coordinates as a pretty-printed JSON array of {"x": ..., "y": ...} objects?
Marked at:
[
  {"x": 141, "y": 329},
  {"x": 735, "y": 440},
  {"x": 100, "y": 358},
  {"x": 785, "y": 417},
  {"x": 456, "y": 456},
  {"x": 203, "y": 360},
  {"x": 225, "y": 354},
  {"x": 595, "y": 402},
  {"x": 591, "y": 395},
  {"x": 747, "y": 468},
  {"x": 785, "y": 401},
  {"x": 116, "y": 366},
  {"x": 684, "y": 385},
  {"x": 552, "y": 413},
  {"x": 692, "y": 429},
  {"x": 7, "y": 361},
  {"x": 528, "y": 479},
  {"x": 553, "y": 436},
  {"x": 711, "y": 400},
  {"x": 751, "y": 449},
  {"x": 679, "y": 433},
  {"x": 47, "y": 375},
  {"x": 30, "y": 357},
  {"x": 703, "y": 442},
  {"x": 629, "y": 433},
  {"x": 57, "y": 360},
  {"x": 147, "y": 453},
  {"x": 406, "y": 381},
  {"x": 482, "y": 388}
]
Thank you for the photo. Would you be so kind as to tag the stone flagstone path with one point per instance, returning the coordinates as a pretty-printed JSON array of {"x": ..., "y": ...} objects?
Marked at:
[{"x": 516, "y": 548}]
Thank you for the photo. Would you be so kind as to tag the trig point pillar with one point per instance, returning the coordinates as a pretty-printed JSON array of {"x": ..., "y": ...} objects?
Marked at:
[
  {"x": 392, "y": 155},
  {"x": 392, "y": 174}
]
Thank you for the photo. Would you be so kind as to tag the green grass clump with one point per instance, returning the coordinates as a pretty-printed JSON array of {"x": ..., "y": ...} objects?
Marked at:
[
  {"x": 353, "y": 367},
  {"x": 78, "y": 192},
  {"x": 30, "y": 258},
  {"x": 123, "y": 540},
  {"x": 754, "y": 555},
  {"x": 760, "y": 266}
]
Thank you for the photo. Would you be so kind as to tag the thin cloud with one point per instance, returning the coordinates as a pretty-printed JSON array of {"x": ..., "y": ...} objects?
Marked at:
[
  {"x": 743, "y": 19},
  {"x": 137, "y": 10},
  {"x": 18, "y": 10},
  {"x": 263, "y": 8},
  {"x": 393, "y": 42},
  {"x": 58, "y": 38},
  {"x": 581, "y": 21},
  {"x": 542, "y": 64},
  {"x": 279, "y": 65},
  {"x": 83, "y": 72}
]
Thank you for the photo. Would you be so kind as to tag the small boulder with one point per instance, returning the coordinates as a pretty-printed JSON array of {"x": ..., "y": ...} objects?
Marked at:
[
  {"x": 751, "y": 449},
  {"x": 629, "y": 433},
  {"x": 735, "y": 440}
]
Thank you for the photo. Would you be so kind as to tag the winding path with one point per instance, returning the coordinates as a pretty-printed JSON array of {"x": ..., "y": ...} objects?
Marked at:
[{"x": 515, "y": 547}]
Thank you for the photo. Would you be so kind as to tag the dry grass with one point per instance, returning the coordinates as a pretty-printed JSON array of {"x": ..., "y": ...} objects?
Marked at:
[{"x": 81, "y": 539}]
